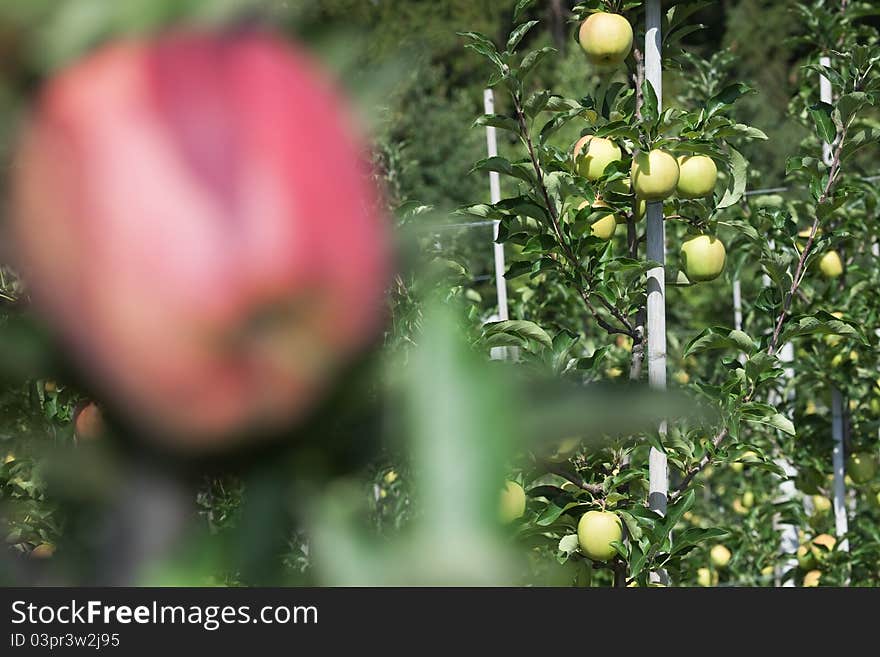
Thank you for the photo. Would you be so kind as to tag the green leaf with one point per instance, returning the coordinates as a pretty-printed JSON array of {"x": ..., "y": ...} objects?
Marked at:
[
  {"x": 521, "y": 6},
  {"x": 518, "y": 33},
  {"x": 821, "y": 113},
  {"x": 765, "y": 414},
  {"x": 568, "y": 544},
  {"x": 725, "y": 97},
  {"x": 650, "y": 104},
  {"x": 677, "y": 509},
  {"x": 858, "y": 140},
  {"x": 719, "y": 337},
  {"x": 823, "y": 323},
  {"x": 521, "y": 328},
  {"x": 692, "y": 536},
  {"x": 533, "y": 59},
  {"x": 738, "y": 172},
  {"x": 502, "y": 165},
  {"x": 498, "y": 121},
  {"x": 849, "y": 104}
]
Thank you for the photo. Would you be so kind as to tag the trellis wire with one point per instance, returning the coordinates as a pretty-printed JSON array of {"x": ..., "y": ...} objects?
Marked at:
[{"x": 486, "y": 224}]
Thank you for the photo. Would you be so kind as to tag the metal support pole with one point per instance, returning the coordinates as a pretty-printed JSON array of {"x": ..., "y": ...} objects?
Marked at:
[
  {"x": 837, "y": 454},
  {"x": 498, "y": 353},
  {"x": 837, "y": 459},
  {"x": 495, "y": 196},
  {"x": 656, "y": 251}
]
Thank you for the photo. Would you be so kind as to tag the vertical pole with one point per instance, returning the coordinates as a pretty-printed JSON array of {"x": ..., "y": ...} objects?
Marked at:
[
  {"x": 738, "y": 312},
  {"x": 656, "y": 251},
  {"x": 837, "y": 454},
  {"x": 495, "y": 196},
  {"x": 788, "y": 541},
  {"x": 840, "y": 519},
  {"x": 737, "y": 305}
]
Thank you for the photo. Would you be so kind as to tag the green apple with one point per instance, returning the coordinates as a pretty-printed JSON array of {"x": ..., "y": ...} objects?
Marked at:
[
  {"x": 563, "y": 451},
  {"x": 640, "y": 206},
  {"x": 706, "y": 577},
  {"x": 604, "y": 226},
  {"x": 821, "y": 546},
  {"x": 720, "y": 556},
  {"x": 596, "y": 531},
  {"x": 513, "y": 502},
  {"x": 748, "y": 499},
  {"x": 821, "y": 505},
  {"x": 861, "y": 467},
  {"x": 830, "y": 265},
  {"x": 805, "y": 557},
  {"x": 703, "y": 258},
  {"x": 654, "y": 175},
  {"x": 811, "y": 579},
  {"x": 593, "y": 154},
  {"x": 697, "y": 176},
  {"x": 606, "y": 38},
  {"x": 874, "y": 498}
]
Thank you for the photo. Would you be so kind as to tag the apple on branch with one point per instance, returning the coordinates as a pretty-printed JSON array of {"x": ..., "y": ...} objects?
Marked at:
[
  {"x": 654, "y": 175},
  {"x": 592, "y": 155},
  {"x": 596, "y": 531},
  {"x": 703, "y": 258},
  {"x": 697, "y": 176},
  {"x": 606, "y": 38}
]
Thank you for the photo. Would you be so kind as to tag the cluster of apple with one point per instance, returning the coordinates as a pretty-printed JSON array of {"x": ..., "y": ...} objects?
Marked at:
[
  {"x": 656, "y": 174},
  {"x": 596, "y": 530}
]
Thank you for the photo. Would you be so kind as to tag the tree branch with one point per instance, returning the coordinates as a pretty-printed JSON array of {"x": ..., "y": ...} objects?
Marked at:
[
  {"x": 833, "y": 172},
  {"x": 557, "y": 229}
]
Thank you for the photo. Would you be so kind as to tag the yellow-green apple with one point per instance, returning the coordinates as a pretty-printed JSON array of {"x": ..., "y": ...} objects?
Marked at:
[
  {"x": 606, "y": 38},
  {"x": 512, "y": 503},
  {"x": 830, "y": 265},
  {"x": 748, "y": 499},
  {"x": 821, "y": 546},
  {"x": 720, "y": 556},
  {"x": 697, "y": 176},
  {"x": 593, "y": 154},
  {"x": 821, "y": 505},
  {"x": 564, "y": 450},
  {"x": 604, "y": 226},
  {"x": 811, "y": 579},
  {"x": 640, "y": 205},
  {"x": 805, "y": 557},
  {"x": 654, "y": 175},
  {"x": 706, "y": 577},
  {"x": 703, "y": 258},
  {"x": 596, "y": 531},
  {"x": 861, "y": 467}
]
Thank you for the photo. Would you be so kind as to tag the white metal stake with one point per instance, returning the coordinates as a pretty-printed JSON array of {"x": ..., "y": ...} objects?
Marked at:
[
  {"x": 498, "y": 353},
  {"x": 841, "y": 524},
  {"x": 737, "y": 305},
  {"x": 656, "y": 283},
  {"x": 495, "y": 196},
  {"x": 837, "y": 454}
]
